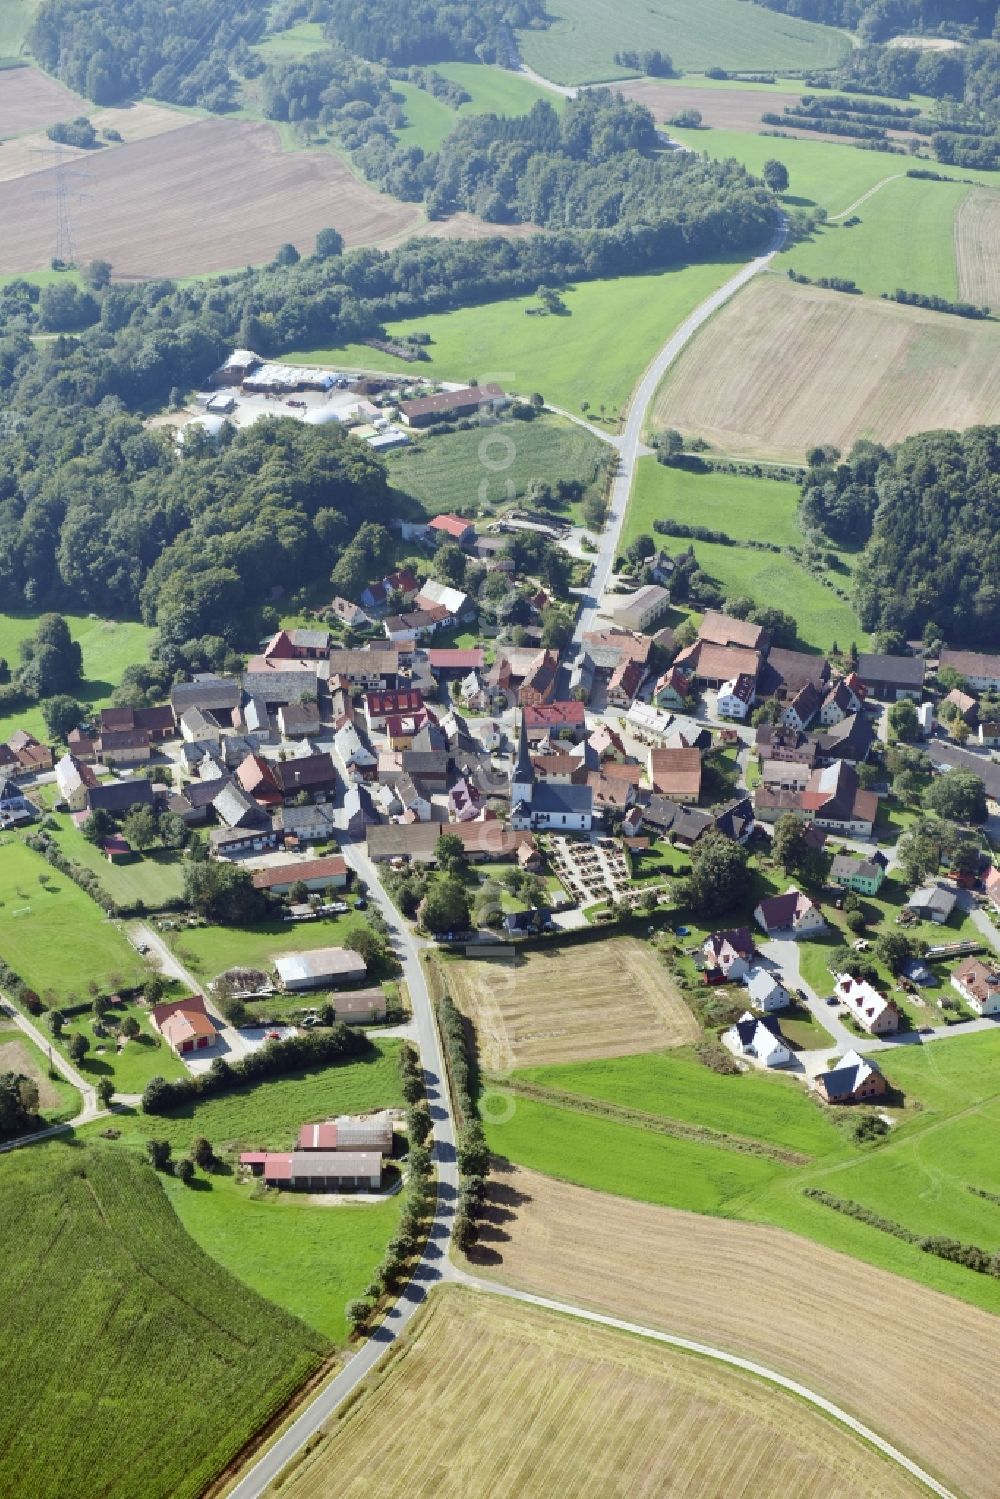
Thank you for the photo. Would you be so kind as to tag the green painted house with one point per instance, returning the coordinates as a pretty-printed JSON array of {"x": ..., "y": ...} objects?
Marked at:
[{"x": 863, "y": 876}]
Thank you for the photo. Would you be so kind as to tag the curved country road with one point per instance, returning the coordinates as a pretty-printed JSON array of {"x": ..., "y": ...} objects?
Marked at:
[
  {"x": 630, "y": 445},
  {"x": 436, "y": 1267}
]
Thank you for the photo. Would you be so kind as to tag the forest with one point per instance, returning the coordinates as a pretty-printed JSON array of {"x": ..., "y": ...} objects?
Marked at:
[
  {"x": 878, "y": 20},
  {"x": 421, "y": 31},
  {"x": 928, "y": 516}
]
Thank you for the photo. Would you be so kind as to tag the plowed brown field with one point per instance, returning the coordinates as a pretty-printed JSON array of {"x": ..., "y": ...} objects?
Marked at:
[
  {"x": 30, "y": 101},
  {"x": 489, "y": 1398},
  {"x": 977, "y": 248},
  {"x": 213, "y": 195},
  {"x": 906, "y": 1360}
]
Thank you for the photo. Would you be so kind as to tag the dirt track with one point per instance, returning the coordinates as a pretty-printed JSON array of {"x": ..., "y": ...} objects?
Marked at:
[{"x": 913, "y": 1364}]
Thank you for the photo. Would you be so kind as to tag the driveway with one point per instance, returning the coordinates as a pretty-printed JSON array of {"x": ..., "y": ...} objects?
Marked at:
[{"x": 143, "y": 937}]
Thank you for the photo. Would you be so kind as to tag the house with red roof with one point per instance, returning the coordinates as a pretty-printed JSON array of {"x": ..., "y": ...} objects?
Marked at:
[
  {"x": 184, "y": 1024},
  {"x": 452, "y": 528}
]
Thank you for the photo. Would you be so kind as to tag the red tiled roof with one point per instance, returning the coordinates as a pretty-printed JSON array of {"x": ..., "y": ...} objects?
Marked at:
[{"x": 451, "y": 525}]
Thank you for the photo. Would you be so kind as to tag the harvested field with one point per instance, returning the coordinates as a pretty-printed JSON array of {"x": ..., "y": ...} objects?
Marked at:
[
  {"x": 493, "y": 1398},
  {"x": 15, "y": 1057},
  {"x": 570, "y": 1005},
  {"x": 692, "y": 1279},
  {"x": 178, "y": 204},
  {"x": 757, "y": 380},
  {"x": 724, "y": 109},
  {"x": 29, "y": 100},
  {"x": 977, "y": 248},
  {"x": 135, "y": 122}
]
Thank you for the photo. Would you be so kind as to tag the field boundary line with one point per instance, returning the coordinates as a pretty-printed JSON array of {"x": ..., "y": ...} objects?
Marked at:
[
  {"x": 896, "y": 177},
  {"x": 718, "y": 1355},
  {"x": 584, "y": 1103}
]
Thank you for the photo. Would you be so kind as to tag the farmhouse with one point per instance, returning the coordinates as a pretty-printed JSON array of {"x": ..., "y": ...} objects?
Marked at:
[
  {"x": 376, "y": 669},
  {"x": 217, "y": 695},
  {"x": 853, "y": 1080},
  {"x": 157, "y": 722},
  {"x": 890, "y": 678},
  {"x": 736, "y": 697},
  {"x": 676, "y": 773},
  {"x": 184, "y": 1024},
  {"x": 792, "y": 914},
  {"x": 360, "y": 1007},
  {"x": 836, "y": 801},
  {"x": 845, "y": 698},
  {"x": 639, "y": 610},
  {"x": 849, "y": 740},
  {"x": 560, "y": 720},
  {"x": 120, "y": 796},
  {"x": 381, "y": 706},
  {"x": 29, "y": 755},
  {"x": 981, "y": 671},
  {"x": 371, "y": 1132},
  {"x": 298, "y": 720},
  {"x": 672, "y": 689},
  {"x": 978, "y": 985},
  {"x": 758, "y": 1038},
  {"x": 316, "y": 1170},
  {"x": 322, "y": 968},
  {"x": 714, "y": 664},
  {"x": 873, "y": 1012},
  {"x": 625, "y": 682},
  {"x": 722, "y": 629},
  {"x": 451, "y": 405},
  {"x": 785, "y": 673},
  {"x": 315, "y": 874},
  {"x": 776, "y": 742},
  {"x": 863, "y": 876},
  {"x": 607, "y": 650},
  {"x": 803, "y": 708},
  {"x": 313, "y": 773},
  {"x": 74, "y": 781}
]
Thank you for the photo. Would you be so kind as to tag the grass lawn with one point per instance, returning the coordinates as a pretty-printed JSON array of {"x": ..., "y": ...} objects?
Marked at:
[
  {"x": 308, "y": 1258},
  {"x": 15, "y": 18},
  {"x": 595, "y": 354},
  {"x": 628, "y": 1160},
  {"x": 823, "y": 173},
  {"x": 210, "y": 950},
  {"x": 108, "y": 647},
  {"x": 906, "y": 238},
  {"x": 675, "y": 1085},
  {"x": 773, "y": 578},
  {"x": 146, "y": 1365},
  {"x": 51, "y": 933},
  {"x": 746, "y": 509},
  {"x": 130, "y": 1069},
  {"x": 580, "y": 46},
  {"x": 154, "y": 878},
  {"x": 494, "y": 465},
  {"x": 493, "y": 90}
]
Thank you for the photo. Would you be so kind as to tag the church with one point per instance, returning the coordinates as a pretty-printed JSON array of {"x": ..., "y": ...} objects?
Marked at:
[{"x": 545, "y": 807}]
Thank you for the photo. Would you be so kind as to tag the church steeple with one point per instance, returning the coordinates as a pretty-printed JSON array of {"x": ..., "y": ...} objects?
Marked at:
[{"x": 522, "y": 780}]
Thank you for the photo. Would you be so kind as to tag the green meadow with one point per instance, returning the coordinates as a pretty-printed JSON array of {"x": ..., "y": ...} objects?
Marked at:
[
  {"x": 108, "y": 647},
  {"x": 54, "y": 935},
  {"x": 906, "y": 238},
  {"x": 580, "y": 46},
  {"x": 296, "y": 41},
  {"x": 155, "y": 878},
  {"x": 942, "y": 1142},
  {"x": 595, "y": 353},
  {"x": 210, "y": 950},
  {"x": 748, "y": 510},
  {"x": 493, "y": 91}
]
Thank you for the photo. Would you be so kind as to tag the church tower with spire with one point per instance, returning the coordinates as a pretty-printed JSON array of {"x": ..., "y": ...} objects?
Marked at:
[{"x": 522, "y": 784}]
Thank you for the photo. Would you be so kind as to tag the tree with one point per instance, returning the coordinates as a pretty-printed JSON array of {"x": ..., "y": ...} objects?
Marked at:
[
  {"x": 775, "y": 174},
  {"x": 958, "y": 795},
  {"x": 62, "y": 714},
  {"x": 105, "y": 1092},
  {"x": 328, "y": 244},
  {"x": 450, "y": 854},
  {"x": 202, "y": 1154},
  {"x": 222, "y": 892},
  {"x": 894, "y": 949},
  {"x": 56, "y": 1023},
  {"x": 445, "y": 907},
  {"x": 449, "y": 564},
  {"x": 139, "y": 827},
  {"x": 720, "y": 875},
  {"x": 638, "y": 550},
  {"x": 173, "y": 830},
  {"x": 418, "y": 1124},
  {"x": 364, "y": 941},
  {"x": 98, "y": 826},
  {"x": 287, "y": 255},
  {"x": 184, "y": 1171},
  {"x": 78, "y": 1046},
  {"x": 101, "y": 1005},
  {"x": 903, "y": 721},
  {"x": 792, "y": 848},
  {"x": 158, "y": 1152},
  {"x": 18, "y": 1104},
  {"x": 557, "y": 629},
  {"x": 358, "y": 1312}
]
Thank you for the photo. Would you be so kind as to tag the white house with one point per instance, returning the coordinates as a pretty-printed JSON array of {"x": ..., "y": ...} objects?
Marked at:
[
  {"x": 793, "y": 914},
  {"x": 729, "y": 953},
  {"x": 766, "y": 992},
  {"x": 757, "y": 1038},
  {"x": 737, "y": 696},
  {"x": 978, "y": 985},
  {"x": 873, "y": 1012},
  {"x": 353, "y": 751}
]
